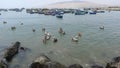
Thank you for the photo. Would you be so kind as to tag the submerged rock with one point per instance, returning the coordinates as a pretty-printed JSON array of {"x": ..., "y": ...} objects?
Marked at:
[
  {"x": 111, "y": 65},
  {"x": 116, "y": 59},
  {"x": 75, "y": 66},
  {"x": 97, "y": 66},
  {"x": 52, "y": 64}
]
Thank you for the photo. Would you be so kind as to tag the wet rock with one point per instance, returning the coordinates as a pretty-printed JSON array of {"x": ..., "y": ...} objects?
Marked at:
[
  {"x": 2, "y": 65},
  {"x": 54, "y": 65},
  {"x": 12, "y": 51},
  {"x": 116, "y": 59},
  {"x": 111, "y": 65},
  {"x": 42, "y": 59},
  {"x": 44, "y": 62},
  {"x": 37, "y": 65},
  {"x": 22, "y": 48},
  {"x": 115, "y": 63},
  {"x": 75, "y": 66},
  {"x": 97, "y": 66}
]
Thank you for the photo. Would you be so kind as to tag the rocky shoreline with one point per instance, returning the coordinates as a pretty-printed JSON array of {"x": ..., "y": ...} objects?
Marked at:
[{"x": 45, "y": 62}]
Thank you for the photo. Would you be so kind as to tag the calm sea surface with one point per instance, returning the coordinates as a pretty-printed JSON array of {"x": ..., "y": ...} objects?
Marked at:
[{"x": 94, "y": 47}]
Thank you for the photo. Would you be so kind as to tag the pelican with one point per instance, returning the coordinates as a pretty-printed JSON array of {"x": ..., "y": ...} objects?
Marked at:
[
  {"x": 102, "y": 27},
  {"x": 33, "y": 30},
  {"x": 75, "y": 39}
]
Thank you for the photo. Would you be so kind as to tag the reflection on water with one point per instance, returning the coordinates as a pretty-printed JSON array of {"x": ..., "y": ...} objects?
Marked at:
[{"x": 95, "y": 45}]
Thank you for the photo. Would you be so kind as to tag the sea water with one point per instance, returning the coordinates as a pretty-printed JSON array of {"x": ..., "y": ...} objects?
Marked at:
[{"x": 96, "y": 46}]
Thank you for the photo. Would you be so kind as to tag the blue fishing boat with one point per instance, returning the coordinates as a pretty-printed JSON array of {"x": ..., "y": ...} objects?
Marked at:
[{"x": 92, "y": 12}]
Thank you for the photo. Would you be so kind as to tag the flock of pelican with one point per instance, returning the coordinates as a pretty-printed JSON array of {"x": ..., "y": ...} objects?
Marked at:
[{"x": 48, "y": 36}]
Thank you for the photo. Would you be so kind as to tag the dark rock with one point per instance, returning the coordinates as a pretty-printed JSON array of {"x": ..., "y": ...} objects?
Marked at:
[
  {"x": 96, "y": 66},
  {"x": 111, "y": 65},
  {"x": 37, "y": 65},
  {"x": 3, "y": 65},
  {"x": 22, "y": 48},
  {"x": 12, "y": 51},
  {"x": 116, "y": 59},
  {"x": 44, "y": 62},
  {"x": 75, "y": 66}
]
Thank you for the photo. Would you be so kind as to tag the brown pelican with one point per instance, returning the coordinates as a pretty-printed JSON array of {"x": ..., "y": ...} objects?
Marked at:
[
  {"x": 102, "y": 27},
  {"x": 13, "y": 28},
  {"x": 4, "y": 22},
  {"x": 33, "y": 30},
  {"x": 75, "y": 39},
  {"x": 21, "y": 23},
  {"x": 61, "y": 31},
  {"x": 43, "y": 29},
  {"x": 55, "y": 39},
  {"x": 47, "y": 35},
  {"x": 79, "y": 34}
]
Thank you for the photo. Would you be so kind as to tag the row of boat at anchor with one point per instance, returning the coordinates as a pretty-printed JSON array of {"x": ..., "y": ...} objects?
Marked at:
[{"x": 83, "y": 12}]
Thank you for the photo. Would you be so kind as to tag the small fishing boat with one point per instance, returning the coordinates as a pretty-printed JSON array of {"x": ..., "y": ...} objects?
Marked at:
[
  {"x": 80, "y": 12},
  {"x": 92, "y": 12},
  {"x": 59, "y": 16}
]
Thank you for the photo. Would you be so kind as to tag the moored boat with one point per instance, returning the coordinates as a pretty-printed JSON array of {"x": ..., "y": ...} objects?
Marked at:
[
  {"x": 59, "y": 16},
  {"x": 92, "y": 12},
  {"x": 79, "y": 12}
]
